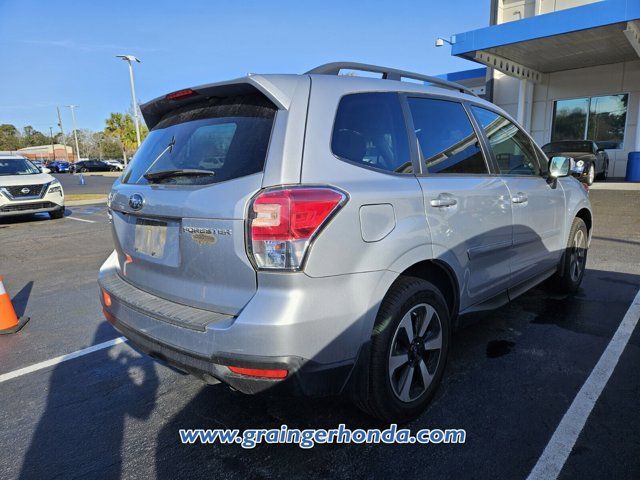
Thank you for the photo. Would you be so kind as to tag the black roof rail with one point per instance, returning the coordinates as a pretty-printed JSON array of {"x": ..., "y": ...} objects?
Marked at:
[{"x": 387, "y": 73}]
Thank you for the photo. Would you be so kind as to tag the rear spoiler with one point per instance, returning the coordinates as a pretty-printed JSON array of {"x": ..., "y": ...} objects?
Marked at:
[{"x": 278, "y": 88}]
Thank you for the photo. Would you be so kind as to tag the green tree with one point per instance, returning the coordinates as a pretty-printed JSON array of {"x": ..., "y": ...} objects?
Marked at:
[
  {"x": 120, "y": 127},
  {"x": 9, "y": 137},
  {"x": 32, "y": 137}
]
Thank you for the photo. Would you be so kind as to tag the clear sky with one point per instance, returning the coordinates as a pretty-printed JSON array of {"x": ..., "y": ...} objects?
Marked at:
[{"x": 62, "y": 52}]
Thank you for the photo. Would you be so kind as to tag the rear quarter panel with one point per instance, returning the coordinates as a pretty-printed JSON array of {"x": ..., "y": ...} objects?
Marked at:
[{"x": 340, "y": 248}]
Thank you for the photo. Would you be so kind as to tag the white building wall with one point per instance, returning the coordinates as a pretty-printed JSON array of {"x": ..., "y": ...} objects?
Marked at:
[
  {"x": 548, "y": 6},
  {"x": 584, "y": 82},
  {"x": 512, "y": 10}
]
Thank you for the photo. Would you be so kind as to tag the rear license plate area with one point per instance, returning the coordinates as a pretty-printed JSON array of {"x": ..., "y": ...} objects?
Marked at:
[{"x": 150, "y": 237}]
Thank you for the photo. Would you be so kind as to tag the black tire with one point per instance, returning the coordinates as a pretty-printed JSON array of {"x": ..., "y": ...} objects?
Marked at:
[
  {"x": 57, "y": 214},
  {"x": 565, "y": 280},
  {"x": 380, "y": 398},
  {"x": 604, "y": 174}
]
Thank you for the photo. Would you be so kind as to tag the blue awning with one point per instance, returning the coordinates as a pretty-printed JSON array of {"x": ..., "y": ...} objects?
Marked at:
[
  {"x": 471, "y": 74},
  {"x": 577, "y": 37}
]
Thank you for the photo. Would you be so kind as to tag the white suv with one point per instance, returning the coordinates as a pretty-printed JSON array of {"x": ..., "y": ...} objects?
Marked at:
[{"x": 25, "y": 189}]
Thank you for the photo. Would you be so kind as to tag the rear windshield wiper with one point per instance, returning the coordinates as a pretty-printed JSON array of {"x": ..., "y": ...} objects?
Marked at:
[{"x": 181, "y": 172}]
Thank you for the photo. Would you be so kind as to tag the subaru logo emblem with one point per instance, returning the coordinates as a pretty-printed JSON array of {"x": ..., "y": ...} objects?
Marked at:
[
  {"x": 136, "y": 201},
  {"x": 25, "y": 191}
]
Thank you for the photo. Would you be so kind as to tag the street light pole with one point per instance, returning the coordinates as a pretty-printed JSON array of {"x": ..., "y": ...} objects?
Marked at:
[
  {"x": 134, "y": 103},
  {"x": 75, "y": 129},
  {"x": 64, "y": 141},
  {"x": 53, "y": 144}
]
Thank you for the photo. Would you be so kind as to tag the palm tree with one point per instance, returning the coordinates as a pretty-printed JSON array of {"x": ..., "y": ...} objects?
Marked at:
[{"x": 120, "y": 126}]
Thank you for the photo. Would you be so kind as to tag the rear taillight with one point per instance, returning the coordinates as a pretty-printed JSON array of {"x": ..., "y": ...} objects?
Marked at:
[
  {"x": 259, "y": 372},
  {"x": 283, "y": 222}
]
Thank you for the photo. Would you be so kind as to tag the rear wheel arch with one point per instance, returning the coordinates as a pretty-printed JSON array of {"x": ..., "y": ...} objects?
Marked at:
[{"x": 442, "y": 276}]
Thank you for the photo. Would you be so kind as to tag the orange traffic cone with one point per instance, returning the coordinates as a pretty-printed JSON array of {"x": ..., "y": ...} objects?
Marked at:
[{"x": 9, "y": 321}]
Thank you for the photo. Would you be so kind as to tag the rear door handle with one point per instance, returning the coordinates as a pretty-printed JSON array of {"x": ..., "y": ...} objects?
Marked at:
[
  {"x": 519, "y": 198},
  {"x": 443, "y": 200}
]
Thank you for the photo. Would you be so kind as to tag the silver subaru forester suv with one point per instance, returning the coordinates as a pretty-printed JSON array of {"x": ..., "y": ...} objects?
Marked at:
[{"x": 323, "y": 234}]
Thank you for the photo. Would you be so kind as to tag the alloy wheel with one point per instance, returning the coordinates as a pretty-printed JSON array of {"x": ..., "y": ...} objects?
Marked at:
[
  {"x": 592, "y": 174},
  {"x": 415, "y": 352},
  {"x": 578, "y": 255}
]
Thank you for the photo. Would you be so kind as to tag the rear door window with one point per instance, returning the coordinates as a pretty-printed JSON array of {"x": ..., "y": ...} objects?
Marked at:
[
  {"x": 369, "y": 130},
  {"x": 448, "y": 142},
  {"x": 223, "y": 138}
]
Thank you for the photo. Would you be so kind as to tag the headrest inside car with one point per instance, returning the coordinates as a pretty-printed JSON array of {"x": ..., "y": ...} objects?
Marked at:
[{"x": 349, "y": 144}]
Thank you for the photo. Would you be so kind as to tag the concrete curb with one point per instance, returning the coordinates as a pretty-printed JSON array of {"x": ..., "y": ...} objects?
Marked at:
[{"x": 615, "y": 186}]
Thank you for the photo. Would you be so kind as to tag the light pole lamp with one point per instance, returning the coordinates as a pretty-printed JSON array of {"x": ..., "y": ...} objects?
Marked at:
[
  {"x": 75, "y": 129},
  {"x": 441, "y": 41},
  {"x": 134, "y": 103}
]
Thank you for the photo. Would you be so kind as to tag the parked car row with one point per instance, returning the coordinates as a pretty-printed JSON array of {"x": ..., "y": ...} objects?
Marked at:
[
  {"x": 91, "y": 165},
  {"x": 82, "y": 166}
]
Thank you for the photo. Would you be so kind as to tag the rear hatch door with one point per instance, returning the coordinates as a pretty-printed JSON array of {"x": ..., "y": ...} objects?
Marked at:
[{"x": 178, "y": 211}]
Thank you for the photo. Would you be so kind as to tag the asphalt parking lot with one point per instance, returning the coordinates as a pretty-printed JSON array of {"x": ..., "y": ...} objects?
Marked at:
[
  {"x": 95, "y": 184},
  {"x": 116, "y": 414}
]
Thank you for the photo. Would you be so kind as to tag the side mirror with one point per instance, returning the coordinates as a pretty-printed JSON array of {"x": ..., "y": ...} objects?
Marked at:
[
  {"x": 561, "y": 166},
  {"x": 45, "y": 170}
]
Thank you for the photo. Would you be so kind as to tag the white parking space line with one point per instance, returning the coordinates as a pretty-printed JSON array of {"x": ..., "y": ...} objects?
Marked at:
[
  {"x": 564, "y": 438},
  {"x": 62, "y": 358},
  {"x": 81, "y": 219}
]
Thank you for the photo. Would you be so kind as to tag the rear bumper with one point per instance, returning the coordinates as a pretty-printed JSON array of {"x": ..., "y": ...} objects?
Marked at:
[
  {"x": 305, "y": 378},
  {"x": 315, "y": 335}
]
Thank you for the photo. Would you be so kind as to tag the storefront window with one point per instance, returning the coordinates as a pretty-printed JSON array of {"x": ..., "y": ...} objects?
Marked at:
[{"x": 601, "y": 119}]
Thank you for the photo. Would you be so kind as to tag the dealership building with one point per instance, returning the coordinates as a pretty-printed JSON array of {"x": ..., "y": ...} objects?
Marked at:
[
  {"x": 48, "y": 152},
  {"x": 565, "y": 69}
]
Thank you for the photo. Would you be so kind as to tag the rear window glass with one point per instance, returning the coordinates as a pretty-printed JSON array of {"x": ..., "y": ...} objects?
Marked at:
[
  {"x": 222, "y": 138},
  {"x": 369, "y": 130}
]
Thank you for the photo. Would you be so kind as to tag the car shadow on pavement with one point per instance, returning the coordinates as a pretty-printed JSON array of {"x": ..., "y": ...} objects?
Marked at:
[
  {"x": 29, "y": 218},
  {"x": 81, "y": 430},
  {"x": 503, "y": 372}
]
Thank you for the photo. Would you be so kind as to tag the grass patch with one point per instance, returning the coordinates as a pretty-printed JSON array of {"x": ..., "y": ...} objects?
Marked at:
[{"x": 84, "y": 196}]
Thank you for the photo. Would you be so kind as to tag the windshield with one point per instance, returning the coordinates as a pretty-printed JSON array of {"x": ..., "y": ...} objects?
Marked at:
[
  {"x": 17, "y": 166},
  {"x": 558, "y": 147},
  {"x": 227, "y": 137}
]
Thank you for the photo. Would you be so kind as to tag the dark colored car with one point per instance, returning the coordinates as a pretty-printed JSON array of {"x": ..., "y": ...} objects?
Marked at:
[
  {"x": 595, "y": 161},
  {"x": 92, "y": 166},
  {"x": 59, "y": 166}
]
